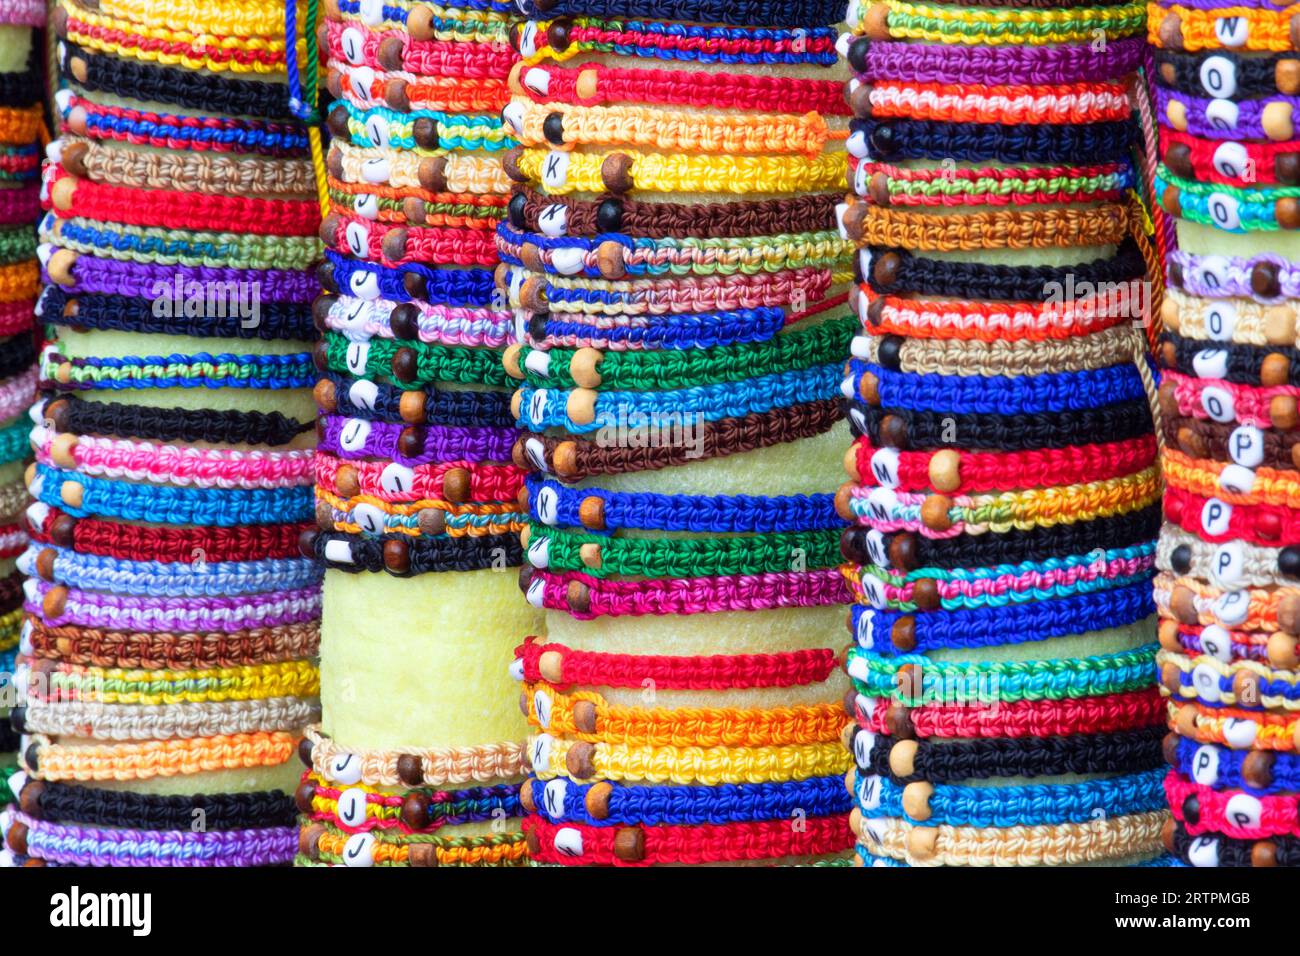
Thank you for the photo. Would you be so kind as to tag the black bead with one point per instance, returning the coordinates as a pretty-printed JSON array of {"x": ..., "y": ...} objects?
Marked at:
[
  {"x": 18, "y": 719},
  {"x": 1288, "y": 562},
  {"x": 890, "y": 351},
  {"x": 537, "y": 327},
  {"x": 553, "y": 129},
  {"x": 404, "y": 320},
  {"x": 304, "y": 752},
  {"x": 517, "y": 203},
  {"x": 609, "y": 216},
  {"x": 882, "y": 141},
  {"x": 1181, "y": 559},
  {"x": 325, "y": 276},
  {"x": 32, "y": 751},
  {"x": 858, "y": 50},
  {"x": 1192, "y": 809},
  {"x": 853, "y": 545},
  {"x": 557, "y": 35}
]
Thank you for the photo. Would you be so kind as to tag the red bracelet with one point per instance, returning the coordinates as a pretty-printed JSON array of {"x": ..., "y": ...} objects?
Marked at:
[
  {"x": 562, "y": 666},
  {"x": 963, "y": 472},
  {"x": 593, "y": 84},
  {"x": 1271, "y": 526},
  {"x": 1193, "y": 158},
  {"x": 1025, "y": 718},
  {"x": 1233, "y": 813},
  {"x": 217, "y": 49},
  {"x": 578, "y": 843},
  {"x": 454, "y": 481},
  {"x": 131, "y": 542},
  {"x": 172, "y": 209},
  {"x": 444, "y": 58},
  {"x": 397, "y": 244},
  {"x": 18, "y": 316}
]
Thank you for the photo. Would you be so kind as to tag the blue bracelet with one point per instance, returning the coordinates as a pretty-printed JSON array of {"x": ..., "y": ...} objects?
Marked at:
[
  {"x": 563, "y": 801},
  {"x": 1267, "y": 687},
  {"x": 197, "y": 578},
  {"x": 1213, "y": 765},
  {"x": 168, "y": 505},
  {"x": 1009, "y": 598},
  {"x": 369, "y": 280},
  {"x": 398, "y": 14},
  {"x": 892, "y": 140},
  {"x": 109, "y": 236},
  {"x": 543, "y": 408},
  {"x": 1014, "y": 624},
  {"x": 1220, "y": 208},
  {"x": 999, "y": 394},
  {"x": 1012, "y": 806},
  {"x": 380, "y": 402},
  {"x": 294, "y": 370},
  {"x": 554, "y": 503},
  {"x": 684, "y": 330},
  {"x": 363, "y": 116},
  {"x": 266, "y": 142},
  {"x": 15, "y": 440}
]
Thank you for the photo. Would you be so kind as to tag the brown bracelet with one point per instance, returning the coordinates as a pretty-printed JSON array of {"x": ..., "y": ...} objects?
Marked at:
[
  {"x": 1210, "y": 441},
  {"x": 1105, "y": 224},
  {"x": 162, "y": 650},
  {"x": 572, "y": 457},
  {"x": 654, "y": 220}
]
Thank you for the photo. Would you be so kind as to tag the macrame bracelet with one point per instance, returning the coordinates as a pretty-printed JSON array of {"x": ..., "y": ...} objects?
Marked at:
[
  {"x": 405, "y": 170},
  {"x": 1074, "y": 103},
  {"x": 1265, "y": 277},
  {"x": 68, "y": 413},
  {"x": 1108, "y": 838},
  {"x": 178, "y": 289},
  {"x": 1224, "y": 74},
  {"x": 1244, "y": 445},
  {"x": 1211, "y": 849},
  {"x": 582, "y": 761},
  {"x": 166, "y": 649},
  {"x": 890, "y": 139},
  {"x": 563, "y": 666},
  {"x": 1236, "y": 815},
  {"x": 413, "y": 768},
  {"x": 60, "y": 605},
  {"x": 61, "y": 803},
  {"x": 398, "y": 245},
  {"x": 1239, "y": 729},
  {"x": 50, "y": 761},
  {"x": 1215, "y": 118},
  {"x": 362, "y": 398},
  {"x": 1027, "y": 718},
  {"x": 317, "y": 845},
  {"x": 911, "y": 20},
  {"x": 1249, "y": 685},
  {"x": 953, "y": 64},
  {"x": 1214, "y": 479},
  {"x": 1218, "y": 642},
  {"x": 1190, "y": 601},
  {"x": 1105, "y": 224},
  {"x": 355, "y": 438},
  {"x": 1232, "y": 564},
  {"x": 362, "y": 320},
  {"x": 807, "y": 13},
  {"x": 1254, "y": 771},
  {"x": 701, "y": 844},
  {"x": 143, "y": 720},
  {"x": 199, "y": 370},
  {"x": 404, "y": 555},
  {"x": 362, "y": 809},
  {"x": 410, "y": 363},
  {"x": 907, "y": 761},
  {"x": 471, "y": 288},
  {"x": 1244, "y": 28},
  {"x": 89, "y": 846},
  {"x": 1239, "y": 321},
  {"x": 457, "y": 482},
  {"x": 373, "y": 516},
  {"x": 421, "y": 131},
  {"x": 1190, "y": 162},
  {"x": 1229, "y": 208},
  {"x": 1230, "y": 362}
]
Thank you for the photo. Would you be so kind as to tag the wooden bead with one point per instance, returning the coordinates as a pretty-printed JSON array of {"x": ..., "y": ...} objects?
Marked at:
[
  {"x": 397, "y": 555},
  {"x": 421, "y": 855},
  {"x": 347, "y": 482},
  {"x": 1282, "y": 650},
  {"x": 578, "y": 597},
  {"x": 591, "y": 513},
  {"x": 844, "y": 495},
  {"x": 1277, "y": 123},
  {"x": 63, "y": 450},
  {"x": 590, "y": 555},
  {"x": 411, "y": 407},
  {"x": 415, "y": 810},
  {"x": 945, "y": 470},
  {"x": 1286, "y": 75},
  {"x": 923, "y": 843},
  {"x": 456, "y": 484},
  {"x": 584, "y": 717},
  {"x": 1171, "y": 679},
  {"x": 1176, "y": 114},
  {"x": 431, "y": 521},
  {"x": 580, "y": 761},
  {"x": 1282, "y": 411},
  {"x": 588, "y": 83},
  {"x": 532, "y": 294},
  {"x": 893, "y": 431},
  {"x": 1257, "y": 769},
  {"x": 526, "y": 799},
  {"x": 1274, "y": 370},
  {"x": 510, "y": 360},
  {"x": 1288, "y": 613},
  {"x": 878, "y": 189},
  {"x": 584, "y": 367},
  {"x": 1171, "y": 201},
  {"x": 916, "y": 799},
  {"x": 1263, "y": 854},
  {"x": 902, "y": 758},
  {"x": 869, "y": 389},
  {"x": 925, "y": 594},
  {"x": 55, "y": 600},
  {"x": 1171, "y": 32},
  {"x": 581, "y": 406},
  {"x": 550, "y": 664},
  {"x": 851, "y": 465},
  {"x": 1279, "y": 325},
  {"x": 1185, "y": 721},
  {"x": 61, "y": 193},
  {"x": 1246, "y": 688},
  {"x": 1169, "y": 313},
  {"x": 1167, "y": 832},
  {"x": 60, "y": 265},
  {"x": 597, "y": 800},
  {"x": 610, "y": 259},
  {"x": 432, "y": 174},
  {"x": 45, "y": 563},
  {"x": 616, "y": 173},
  {"x": 410, "y": 770},
  {"x": 1287, "y": 212},
  {"x": 564, "y": 459},
  {"x": 629, "y": 844},
  {"x": 909, "y": 680},
  {"x": 72, "y": 493},
  {"x": 1167, "y": 632},
  {"x": 1182, "y": 602},
  {"x": 876, "y": 22},
  {"x": 903, "y": 633},
  {"x": 63, "y": 531},
  {"x": 323, "y": 393},
  {"x": 934, "y": 512}
]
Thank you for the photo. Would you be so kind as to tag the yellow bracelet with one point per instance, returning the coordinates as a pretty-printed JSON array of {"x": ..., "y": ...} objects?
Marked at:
[
  {"x": 116, "y": 685},
  {"x": 245, "y": 18}
]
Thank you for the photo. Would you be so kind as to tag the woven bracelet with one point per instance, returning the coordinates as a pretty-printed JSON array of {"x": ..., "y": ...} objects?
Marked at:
[
  {"x": 1236, "y": 815},
  {"x": 110, "y": 312},
  {"x": 166, "y": 649},
  {"x": 71, "y": 414},
  {"x": 60, "y": 803},
  {"x": 1254, "y": 771},
  {"x": 1245, "y": 445},
  {"x": 363, "y": 398},
  {"x": 144, "y": 761},
  {"x": 1211, "y": 849}
]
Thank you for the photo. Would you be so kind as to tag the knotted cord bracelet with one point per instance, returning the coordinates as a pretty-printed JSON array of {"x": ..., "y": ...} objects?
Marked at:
[
  {"x": 400, "y": 245},
  {"x": 1106, "y": 224},
  {"x": 403, "y": 170},
  {"x": 362, "y": 809},
  {"x": 372, "y": 516},
  {"x": 61, "y": 605},
  {"x": 411, "y": 768},
  {"x": 586, "y": 597},
  {"x": 320, "y": 845},
  {"x": 421, "y": 131},
  {"x": 583, "y": 761},
  {"x": 166, "y": 649},
  {"x": 1243, "y": 321},
  {"x": 1225, "y": 74},
  {"x": 1025, "y": 718},
  {"x": 403, "y": 555},
  {"x": 906, "y": 761},
  {"x": 553, "y": 503},
  {"x": 1190, "y": 601},
  {"x": 1211, "y": 849},
  {"x": 88, "y": 846},
  {"x": 904, "y": 20},
  {"x": 456, "y": 481},
  {"x": 700, "y": 844},
  {"x": 814, "y": 13},
  {"x": 1276, "y": 647},
  {"x": 150, "y": 759},
  {"x": 1229, "y": 208},
  {"x": 200, "y": 370},
  {"x": 1236, "y": 815},
  {"x": 1108, "y": 838},
  {"x": 895, "y": 633},
  {"x": 471, "y": 288},
  {"x": 1185, "y": 27},
  {"x": 1233, "y": 564},
  {"x": 412, "y": 363},
  {"x": 1265, "y": 525},
  {"x": 891, "y": 139},
  {"x": 1012, "y": 805},
  {"x": 1214, "y": 441},
  {"x": 1239, "y": 729},
  {"x": 1225, "y": 402},
  {"x": 57, "y": 683},
  {"x": 1194, "y": 163},
  {"x": 1262, "y": 277},
  {"x": 952, "y": 64},
  {"x": 355, "y": 438},
  {"x": 362, "y": 320},
  {"x": 573, "y": 457},
  {"x": 1211, "y": 478},
  {"x": 1254, "y": 771},
  {"x": 175, "y": 288},
  {"x": 1075, "y": 103},
  {"x": 563, "y": 666},
  {"x": 1249, "y": 685},
  {"x": 137, "y": 543},
  {"x": 158, "y": 717},
  {"x": 84, "y": 117},
  {"x": 905, "y": 428},
  {"x": 68, "y": 413},
  {"x": 1231, "y": 362},
  {"x": 1225, "y": 119},
  {"x": 61, "y": 803},
  {"x": 380, "y": 402}
]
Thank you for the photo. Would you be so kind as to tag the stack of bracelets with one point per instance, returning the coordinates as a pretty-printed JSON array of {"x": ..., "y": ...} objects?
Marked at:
[
  {"x": 419, "y": 757},
  {"x": 680, "y": 293},
  {"x": 167, "y": 664},
  {"x": 1003, "y": 475},
  {"x": 21, "y": 129},
  {"x": 1227, "y": 79}
]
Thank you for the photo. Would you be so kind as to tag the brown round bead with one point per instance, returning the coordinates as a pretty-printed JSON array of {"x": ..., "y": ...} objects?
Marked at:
[
  {"x": 1167, "y": 832},
  {"x": 1246, "y": 688},
  {"x": 916, "y": 799},
  {"x": 1169, "y": 748},
  {"x": 629, "y": 844},
  {"x": 411, "y": 407},
  {"x": 1179, "y": 160},
  {"x": 1282, "y": 411},
  {"x": 878, "y": 189},
  {"x": 859, "y": 98},
  {"x": 591, "y": 512},
  {"x": 1263, "y": 854},
  {"x": 893, "y": 431},
  {"x": 397, "y": 555},
  {"x": 1286, "y": 74},
  {"x": 597, "y": 800},
  {"x": 925, "y": 594},
  {"x": 1167, "y": 633},
  {"x": 45, "y": 563},
  {"x": 1172, "y": 201},
  {"x": 1171, "y": 32},
  {"x": 324, "y": 515},
  {"x": 902, "y": 758},
  {"x": 1182, "y": 602},
  {"x": 404, "y": 321},
  {"x": 1257, "y": 768},
  {"x": 903, "y": 633},
  {"x": 425, "y": 133},
  {"x": 578, "y": 597},
  {"x": 303, "y": 795},
  {"x": 616, "y": 173},
  {"x": 415, "y": 810},
  {"x": 903, "y": 551},
  {"x": 934, "y": 512},
  {"x": 1171, "y": 679},
  {"x": 431, "y": 521},
  {"x": 1192, "y": 442},
  {"x": 323, "y": 393},
  {"x": 1286, "y": 167},
  {"x": 410, "y": 441},
  {"x": 410, "y": 770},
  {"x": 580, "y": 761},
  {"x": 584, "y": 716},
  {"x": 909, "y": 680},
  {"x": 406, "y": 365},
  {"x": 610, "y": 259},
  {"x": 1287, "y": 212},
  {"x": 456, "y": 485},
  {"x": 433, "y": 174}
]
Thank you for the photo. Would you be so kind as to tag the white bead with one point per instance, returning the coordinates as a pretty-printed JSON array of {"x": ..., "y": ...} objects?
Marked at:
[
  {"x": 375, "y": 170},
  {"x": 1244, "y": 811},
  {"x": 1206, "y": 681},
  {"x": 364, "y": 285},
  {"x": 1239, "y": 734},
  {"x": 63, "y": 100},
  {"x": 1222, "y": 114},
  {"x": 846, "y": 387},
  {"x": 873, "y": 590},
  {"x": 840, "y": 210},
  {"x": 857, "y": 668},
  {"x": 869, "y": 791},
  {"x": 857, "y": 146},
  {"x": 1224, "y": 210},
  {"x": 1228, "y": 564},
  {"x": 344, "y": 768},
  {"x": 860, "y": 346},
  {"x": 1205, "y": 765},
  {"x": 539, "y": 551},
  {"x": 546, "y": 504},
  {"x": 513, "y": 114},
  {"x": 339, "y": 551},
  {"x": 351, "y": 807},
  {"x": 542, "y": 704},
  {"x": 353, "y": 434},
  {"x": 537, "y": 80},
  {"x": 353, "y": 44},
  {"x": 539, "y": 752},
  {"x": 37, "y": 512},
  {"x": 881, "y": 503},
  {"x": 553, "y": 220},
  {"x": 536, "y": 592},
  {"x": 539, "y": 363},
  {"x": 362, "y": 81},
  {"x": 369, "y": 518},
  {"x": 372, "y": 12},
  {"x": 1232, "y": 31},
  {"x": 1221, "y": 321},
  {"x": 366, "y": 205},
  {"x": 397, "y": 479},
  {"x": 1236, "y": 480},
  {"x": 536, "y": 452},
  {"x": 568, "y": 842},
  {"x": 874, "y": 829},
  {"x": 1216, "y": 642},
  {"x": 1204, "y": 851},
  {"x": 1219, "y": 77},
  {"x": 1210, "y": 363},
  {"x": 555, "y": 169},
  {"x": 516, "y": 670},
  {"x": 1246, "y": 446},
  {"x": 363, "y": 393},
  {"x": 877, "y": 550},
  {"x": 569, "y": 261},
  {"x": 1231, "y": 607},
  {"x": 885, "y": 465},
  {"x": 1231, "y": 159},
  {"x": 553, "y": 795},
  {"x": 865, "y": 632},
  {"x": 1218, "y": 404},
  {"x": 16, "y": 782},
  {"x": 358, "y": 353},
  {"x": 1215, "y": 516},
  {"x": 861, "y": 179},
  {"x": 528, "y": 40},
  {"x": 377, "y": 131},
  {"x": 359, "y": 850},
  {"x": 864, "y": 742}
]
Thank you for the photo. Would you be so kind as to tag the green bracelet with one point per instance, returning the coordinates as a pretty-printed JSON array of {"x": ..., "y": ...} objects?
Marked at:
[
  {"x": 432, "y": 210},
  {"x": 685, "y": 368},
  {"x": 17, "y": 244},
  {"x": 412, "y": 364},
  {"x": 216, "y": 250},
  {"x": 602, "y": 556}
]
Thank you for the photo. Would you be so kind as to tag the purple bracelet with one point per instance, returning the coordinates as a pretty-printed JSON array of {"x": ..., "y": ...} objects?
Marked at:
[
  {"x": 117, "y": 612},
  {"x": 1229, "y": 277},
  {"x": 1221, "y": 118},
  {"x": 358, "y": 438},
  {"x": 150, "y": 281},
  {"x": 1034, "y": 65},
  {"x": 1225, "y": 4},
  {"x": 95, "y": 846},
  {"x": 21, "y": 205}
]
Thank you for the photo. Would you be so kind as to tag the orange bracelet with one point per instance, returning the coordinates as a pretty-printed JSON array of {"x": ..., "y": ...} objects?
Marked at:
[
  {"x": 47, "y": 760},
  {"x": 1177, "y": 27}
]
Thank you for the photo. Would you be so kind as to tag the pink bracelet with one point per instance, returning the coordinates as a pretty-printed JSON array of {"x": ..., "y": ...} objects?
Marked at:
[
  {"x": 22, "y": 13},
  {"x": 1232, "y": 813},
  {"x": 454, "y": 481},
  {"x": 18, "y": 394},
  {"x": 1224, "y": 401},
  {"x": 362, "y": 319},
  {"x": 586, "y": 597},
  {"x": 193, "y": 467}
]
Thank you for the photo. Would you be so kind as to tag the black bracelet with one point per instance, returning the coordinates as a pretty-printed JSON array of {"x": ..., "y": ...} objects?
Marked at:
[
  {"x": 895, "y": 271},
  {"x": 761, "y": 13},
  {"x": 906, "y": 428},
  {"x": 91, "y": 806},
  {"x": 71, "y": 414},
  {"x": 414, "y": 407},
  {"x": 908, "y": 550},
  {"x": 1254, "y": 365},
  {"x": 403, "y": 556},
  {"x": 24, "y": 87},
  {"x": 1213, "y": 440},
  {"x": 93, "y": 310},
  {"x": 18, "y": 354},
  {"x": 1245, "y": 77},
  {"x": 1213, "y": 849},
  {"x": 164, "y": 84},
  {"x": 1125, "y": 751},
  {"x": 899, "y": 139}
]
